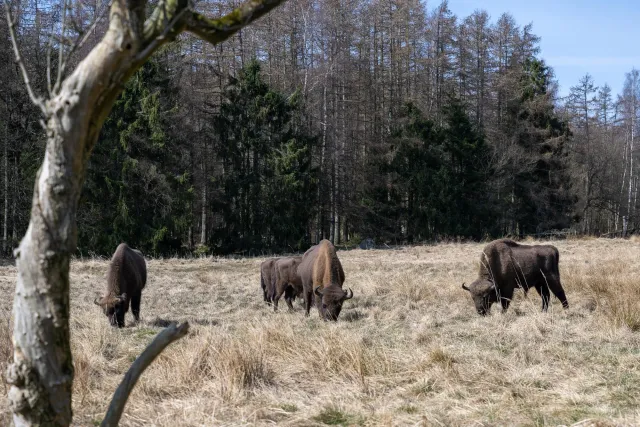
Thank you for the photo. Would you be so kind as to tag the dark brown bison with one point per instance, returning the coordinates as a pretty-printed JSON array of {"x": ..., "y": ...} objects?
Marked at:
[
  {"x": 267, "y": 278},
  {"x": 287, "y": 280},
  {"x": 506, "y": 265},
  {"x": 126, "y": 278},
  {"x": 322, "y": 278}
]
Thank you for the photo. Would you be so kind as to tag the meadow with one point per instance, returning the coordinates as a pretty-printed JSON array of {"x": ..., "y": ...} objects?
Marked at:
[{"x": 408, "y": 349}]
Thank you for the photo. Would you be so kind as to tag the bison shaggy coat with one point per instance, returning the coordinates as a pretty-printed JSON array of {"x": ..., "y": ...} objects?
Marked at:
[
  {"x": 322, "y": 278},
  {"x": 126, "y": 277},
  {"x": 506, "y": 265},
  {"x": 287, "y": 280}
]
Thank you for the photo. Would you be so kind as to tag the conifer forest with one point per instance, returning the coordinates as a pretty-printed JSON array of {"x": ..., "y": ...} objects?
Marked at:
[{"x": 394, "y": 120}]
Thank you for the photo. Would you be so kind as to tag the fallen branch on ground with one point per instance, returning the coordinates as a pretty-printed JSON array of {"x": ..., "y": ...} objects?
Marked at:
[{"x": 160, "y": 342}]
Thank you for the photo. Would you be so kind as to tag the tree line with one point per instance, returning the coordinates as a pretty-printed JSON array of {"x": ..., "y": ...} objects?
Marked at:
[{"x": 338, "y": 119}]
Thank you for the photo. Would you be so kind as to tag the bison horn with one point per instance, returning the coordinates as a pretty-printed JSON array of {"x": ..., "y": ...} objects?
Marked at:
[
  {"x": 465, "y": 287},
  {"x": 318, "y": 291},
  {"x": 96, "y": 301},
  {"x": 348, "y": 294}
]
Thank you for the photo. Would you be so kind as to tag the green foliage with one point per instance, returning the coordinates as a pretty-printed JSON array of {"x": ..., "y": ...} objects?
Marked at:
[
  {"x": 432, "y": 179},
  {"x": 138, "y": 189},
  {"x": 266, "y": 189},
  {"x": 289, "y": 407},
  {"x": 538, "y": 193},
  {"x": 332, "y": 416}
]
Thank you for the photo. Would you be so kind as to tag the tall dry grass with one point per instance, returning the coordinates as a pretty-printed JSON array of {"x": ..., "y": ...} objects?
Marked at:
[{"x": 408, "y": 349}]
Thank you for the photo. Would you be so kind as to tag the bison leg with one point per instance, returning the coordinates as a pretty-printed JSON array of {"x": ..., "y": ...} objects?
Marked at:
[
  {"x": 121, "y": 309},
  {"x": 279, "y": 290},
  {"x": 556, "y": 288},
  {"x": 289, "y": 295},
  {"x": 545, "y": 294},
  {"x": 505, "y": 299},
  {"x": 135, "y": 305},
  {"x": 308, "y": 299}
]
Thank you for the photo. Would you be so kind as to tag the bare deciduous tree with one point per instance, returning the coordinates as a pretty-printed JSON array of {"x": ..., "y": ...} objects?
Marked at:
[{"x": 41, "y": 375}]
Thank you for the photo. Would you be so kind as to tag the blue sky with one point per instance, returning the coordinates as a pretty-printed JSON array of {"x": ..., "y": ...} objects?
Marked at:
[{"x": 599, "y": 37}]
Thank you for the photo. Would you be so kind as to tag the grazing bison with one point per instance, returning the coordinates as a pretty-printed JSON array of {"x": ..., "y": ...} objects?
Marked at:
[
  {"x": 267, "y": 278},
  {"x": 287, "y": 280},
  {"x": 322, "y": 278},
  {"x": 506, "y": 265},
  {"x": 126, "y": 278}
]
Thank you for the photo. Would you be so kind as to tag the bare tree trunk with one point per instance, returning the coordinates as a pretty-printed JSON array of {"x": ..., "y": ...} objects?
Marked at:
[
  {"x": 335, "y": 156},
  {"x": 5, "y": 223},
  {"x": 322, "y": 160},
  {"x": 332, "y": 206},
  {"x": 623, "y": 180},
  {"x": 635, "y": 196},
  {"x": 336, "y": 203},
  {"x": 203, "y": 232},
  {"x": 14, "y": 202},
  {"x": 625, "y": 219},
  {"x": 41, "y": 375}
]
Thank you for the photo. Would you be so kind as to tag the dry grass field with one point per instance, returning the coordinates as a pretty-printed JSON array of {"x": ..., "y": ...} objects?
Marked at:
[{"x": 409, "y": 348}]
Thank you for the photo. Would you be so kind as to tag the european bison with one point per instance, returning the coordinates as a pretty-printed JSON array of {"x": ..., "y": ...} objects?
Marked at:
[
  {"x": 287, "y": 280},
  {"x": 322, "y": 278},
  {"x": 267, "y": 278},
  {"x": 506, "y": 265},
  {"x": 126, "y": 278}
]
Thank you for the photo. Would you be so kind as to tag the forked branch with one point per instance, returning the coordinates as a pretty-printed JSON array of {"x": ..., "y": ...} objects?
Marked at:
[
  {"x": 159, "y": 343},
  {"x": 38, "y": 101},
  {"x": 171, "y": 17},
  {"x": 82, "y": 38},
  {"x": 217, "y": 30},
  {"x": 60, "y": 44}
]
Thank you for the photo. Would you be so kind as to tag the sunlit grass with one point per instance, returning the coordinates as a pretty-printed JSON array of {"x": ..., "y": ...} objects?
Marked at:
[{"x": 408, "y": 348}]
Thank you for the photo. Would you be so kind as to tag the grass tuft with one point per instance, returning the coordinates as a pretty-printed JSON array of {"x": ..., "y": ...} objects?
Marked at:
[{"x": 332, "y": 416}]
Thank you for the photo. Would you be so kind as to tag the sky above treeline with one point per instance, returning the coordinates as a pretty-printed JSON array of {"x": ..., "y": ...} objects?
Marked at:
[{"x": 599, "y": 37}]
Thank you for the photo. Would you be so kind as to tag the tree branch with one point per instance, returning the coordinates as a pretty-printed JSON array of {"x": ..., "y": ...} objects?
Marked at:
[
  {"x": 159, "y": 343},
  {"x": 80, "y": 41},
  {"x": 159, "y": 23},
  {"x": 170, "y": 28},
  {"x": 38, "y": 101},
  {"x": 61, "y": 45},
  {"x": 49, "y": 47},
  {"x": 217, "y": 30},
  {"x": 171, "y": 17}
]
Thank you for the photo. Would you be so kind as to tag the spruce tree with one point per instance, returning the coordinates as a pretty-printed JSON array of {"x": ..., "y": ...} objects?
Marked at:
[
  {"x": 137, "y": 189},
  {"x": 265, "y": 190}
]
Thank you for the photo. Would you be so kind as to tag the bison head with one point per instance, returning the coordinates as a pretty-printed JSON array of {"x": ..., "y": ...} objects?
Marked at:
[
  {"x": 114, "y": 307},
  {"x": 331, "y": 300},
  {"x": 484, "y": 294}
]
